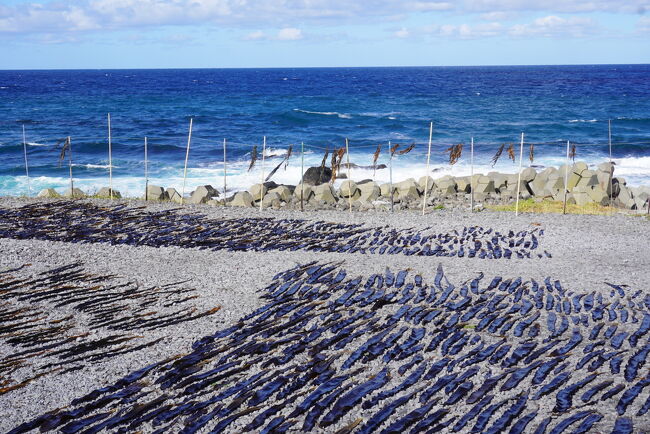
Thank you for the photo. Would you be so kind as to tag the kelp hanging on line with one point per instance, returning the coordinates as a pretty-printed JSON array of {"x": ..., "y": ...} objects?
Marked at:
[
  {"x": 284, "y": 161},
  {"x": 253, "y": 157},
  {"x": 498, "y": 154},
  {"x": 337, "y": 158},
  {"x": 511, "y": 152},
  {"x": 455, "y": 152}
]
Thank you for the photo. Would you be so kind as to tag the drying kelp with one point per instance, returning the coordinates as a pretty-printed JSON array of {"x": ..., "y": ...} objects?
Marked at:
[
  {"x": 38, "y": 318},
  {"x": 497, "y": 155},
  {"x": 81, "y": 222},
  {"x": 396, "y": 352}
]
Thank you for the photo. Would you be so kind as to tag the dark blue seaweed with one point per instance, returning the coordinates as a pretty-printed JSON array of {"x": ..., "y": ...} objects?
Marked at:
[{"x": 623, "y": 425}]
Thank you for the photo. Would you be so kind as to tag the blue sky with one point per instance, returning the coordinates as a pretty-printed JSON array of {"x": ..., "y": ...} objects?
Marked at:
[{"x": 45, "y": 34}]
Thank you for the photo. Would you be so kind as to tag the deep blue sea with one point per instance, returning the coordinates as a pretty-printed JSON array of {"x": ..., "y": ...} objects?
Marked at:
[{"x": 320, "y": 107}]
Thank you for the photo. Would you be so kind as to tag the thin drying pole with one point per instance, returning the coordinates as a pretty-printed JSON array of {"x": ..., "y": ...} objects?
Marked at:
[
  {"x": 521, "y": 157},
  {"x": 146, "y": 171},
  {"x": 187, "y": 156},
  {"x": 302, "y": 176},
  {"x": 566, "y": 177},
  {"x": 110, "y": 159},
  {"x": 471, "y": 176},
  {"x": 426, "y": 175},
  {"x": 611, "y": 166},
  {"x": 262, "y": 182},
  {"x": 29, "y": 187},
  {"x": 390, "y": 170},
  {"x": 347, "y": 154},
  {"x": 70, "y": 166},
  {"x": 224, "y": 168}
]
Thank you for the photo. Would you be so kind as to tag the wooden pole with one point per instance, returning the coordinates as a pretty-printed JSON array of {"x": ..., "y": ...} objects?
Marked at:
[
  {"x": 70, "y": 166},
  {"x": 390, "y": 174},
  {"x": 521, "y": 157},
  {"x": 262, "y": 182},
  {"x": 29, "y": 187},
  {"x": 611, "y": 166},
  {"x": 347, "y": 154},
  {"x": 426, "y": 175},
  {"x": 302, "y": 176},
  {"x": 566, "y": 177},
  {"x": 224, "y": 170},
  {"x": 187, "y": 156},
  {"x": 110, "y": 159},
  {"x": 146, "y": 171},
  {"x": 471, "y": 176}
]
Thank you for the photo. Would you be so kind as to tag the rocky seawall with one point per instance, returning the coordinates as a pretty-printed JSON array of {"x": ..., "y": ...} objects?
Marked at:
[{"x": 583, "y": 185}]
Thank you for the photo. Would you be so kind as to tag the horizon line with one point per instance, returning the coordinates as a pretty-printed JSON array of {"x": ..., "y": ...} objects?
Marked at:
[{"x": 323, "y": 67}]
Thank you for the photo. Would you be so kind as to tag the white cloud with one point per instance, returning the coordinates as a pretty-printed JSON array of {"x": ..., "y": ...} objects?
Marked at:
[
  {"x": 402, "y": 33},
  {"x": 643, "y": 25},
  {"x": 499, "y": 16},
  {"x": 255, "y": 36},
  {"x": 289, "y": 34},
  {"x": 56, "y": 16},
  {"x": 556, "y": 6},
  {"x": 461, "y": 31},
  {"x": 554, "y": 26}
]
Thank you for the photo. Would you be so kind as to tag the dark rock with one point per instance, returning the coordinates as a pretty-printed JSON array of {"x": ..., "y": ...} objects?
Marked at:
[{"x": 315, "y": 176}]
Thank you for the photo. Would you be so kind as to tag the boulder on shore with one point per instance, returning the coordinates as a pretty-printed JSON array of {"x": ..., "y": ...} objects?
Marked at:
[
  {"x": 105, "y": 192},
  {"x": 173, "y": 195},
  {"x": 349, "y": 189},
  {"x": 75, "y": 193},
  {"x": 324, "y": 193},
  {"x": 48, "y": 192},
  {"x": 306, "y": 190},
  {"x": 203, "y": 194},
  {"x": 243, "y": 199},
  {"x": 316, "y": 176},
  {"x": 155, "y": 192}
]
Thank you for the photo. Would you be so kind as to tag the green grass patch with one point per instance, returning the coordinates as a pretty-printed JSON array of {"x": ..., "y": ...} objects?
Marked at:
[{"x": 554, "y": 207}]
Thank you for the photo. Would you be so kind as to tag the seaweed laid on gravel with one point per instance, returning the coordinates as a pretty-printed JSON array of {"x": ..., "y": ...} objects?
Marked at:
[
  {"x": 38, "y": 320},
  {"x": 84, "y": 222},
  {"x": 331, "y": 351}
]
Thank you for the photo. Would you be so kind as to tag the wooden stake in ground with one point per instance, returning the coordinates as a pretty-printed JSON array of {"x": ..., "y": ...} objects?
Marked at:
[
  {"x": 29, "y": 187},
  {"x": 471, "y": 176},
  {"x": 426, "y": 175},
  {"x": 262, "y": 181},
  {"x": 70, "y": 166},
  {"x": 347, "y": 153},
  {"x": 302, "y": 176},
  {"x": 224, "y": 169},
  {"x": 110, "y": 160},
  {"x": 390, "y": 174},
  {"x": 566, "y": 177},
  {"x": 187, "y": 156},
  {"x": 611, "y": 167},
  {"x": 146, "y": 171},
  {"x": 521, "y": 157}
]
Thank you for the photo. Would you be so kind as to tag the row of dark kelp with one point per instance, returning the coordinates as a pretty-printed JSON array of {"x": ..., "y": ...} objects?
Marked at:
[
  {"x": 395, "y": 353},
  {"x": 38, "y": 319},
  {"x": 84, "y": 222}
]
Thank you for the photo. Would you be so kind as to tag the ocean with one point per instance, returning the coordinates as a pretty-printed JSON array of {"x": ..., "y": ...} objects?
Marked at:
[{"x": 319, "y": 107}]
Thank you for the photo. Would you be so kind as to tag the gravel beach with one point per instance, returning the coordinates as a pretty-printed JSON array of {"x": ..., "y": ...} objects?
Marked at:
[{"x": 584, "y": 252}]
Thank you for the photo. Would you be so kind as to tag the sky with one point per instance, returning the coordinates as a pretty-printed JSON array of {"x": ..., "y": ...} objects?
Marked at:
[{"x": 101, "y": 34}]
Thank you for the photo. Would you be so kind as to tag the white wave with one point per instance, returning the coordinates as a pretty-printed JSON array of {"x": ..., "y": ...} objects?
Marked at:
[
  {"x": 94, "y": 166},
  {"x": 389, "y": 115},
  {"x": 573, "y": 121},
  {"x": 36, "y": 144},
  {"x": 275, "y": 152},
  {"x": 340, "y": 115}
]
